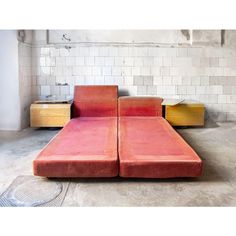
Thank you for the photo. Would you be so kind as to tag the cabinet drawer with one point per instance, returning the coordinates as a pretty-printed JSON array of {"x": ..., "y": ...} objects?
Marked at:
[
  {"x": 49, "y": 115},
  {"x": 185, "y": 115}
]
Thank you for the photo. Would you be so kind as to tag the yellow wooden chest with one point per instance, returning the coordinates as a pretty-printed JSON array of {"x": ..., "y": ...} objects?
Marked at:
[
  {"x": 185, "y": 114},
  {"x": 49, "y": 114}
]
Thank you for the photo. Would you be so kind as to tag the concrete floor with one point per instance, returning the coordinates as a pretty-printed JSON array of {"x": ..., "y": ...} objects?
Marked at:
[{"x": 216, "y": 144}]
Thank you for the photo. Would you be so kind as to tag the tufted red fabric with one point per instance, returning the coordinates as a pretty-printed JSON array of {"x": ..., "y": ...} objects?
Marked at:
[
  {"x": 99, "y": 101},
  {"x": 140, "y": 106},
  {"x": 85, "y": 147},
  {"x": 150, "y": 148}
]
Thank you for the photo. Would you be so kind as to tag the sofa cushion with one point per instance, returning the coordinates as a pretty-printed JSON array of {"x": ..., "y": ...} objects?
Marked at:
[
  {"x": 99, "y": 101},
  {"x": 139, "y": 106},
  {"x": 85, "y": 147},
  {"x": 150, "y": 148}
]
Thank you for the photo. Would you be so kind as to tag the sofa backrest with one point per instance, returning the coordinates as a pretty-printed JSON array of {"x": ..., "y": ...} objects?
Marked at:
[
  {"x": 139, "y": 106},
  {"x": 95, "y": 100}
]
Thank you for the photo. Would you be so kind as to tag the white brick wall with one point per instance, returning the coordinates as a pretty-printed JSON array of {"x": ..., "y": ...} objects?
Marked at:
[{"x": 206, "y": 74}]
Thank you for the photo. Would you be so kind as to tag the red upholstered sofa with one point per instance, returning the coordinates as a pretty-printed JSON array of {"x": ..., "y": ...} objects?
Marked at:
[
  {"x": 87, "y": 145},
  {"x": 148, "y": 146}
]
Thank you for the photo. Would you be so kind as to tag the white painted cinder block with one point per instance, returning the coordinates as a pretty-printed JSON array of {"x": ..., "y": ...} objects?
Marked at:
[
  {"x": 79, "y": 61},
  {"x": 45, "y": 90},
  {"x": 106, "y": 70},
  {"x": 113, "y": 51},
  {"x": 157, "y": 80},
  {"x": 83, "y": 51},
  {"x": 93, "y": 51},
  {"x": 201, "y": 89},
  {"x": 119, "y": 61},
  {"x": 70, "y": 61},
  {"x": 50, "y": 80},
  {"x": 152, "y": 51},
  {"x": 128, "y": 61},
  {"x": 145, "y": 71},
  {"x": 128, "y": 80},
  {"x": 64, "y": 52},
  {"x": 45, "y": 70},
  {"x": 126, "y": 71},
  {"x": 135, "y": 70},
  {"x": 70, "y": 80},
  {"x": 45, "y": 51},
  {"x": 142, "y": 51},
  {"x": 223, "y": 99},
  {"x": 173, "y": 72},
  {"x": 64, "y": 90},
  {"x": 96, "y": 70},
  {"x": 132, "y": 90},
  {"x": 116, "y": 71},
  {"x": 98, "y": 80},
  {"x": 109, "y": 80},
  {"x": 68, "y": 70},
  {"x": 182, "y": 62},
  {"x": 170, "y": 89},
  {"x": 89, "y": 61},
  {"x": 152, "y": 90},
  {"x": 158, "y": 61},
  {"x": 119, "y": 80},
  {"x": 182, "y": 52},
  {"x": 99, "y": 61},
  {"x": 123, "y": 51},
  {"x": 167, "y": 80},
  {"x": 191, "y": 90},
  {"x": 86, "y": 70},
  {"x": 103, "y": 51},
  {"x": 138, "y": 61},
  {"x": 204, "y": 80},
  {"x": 79, "y": 80},
  {"x": 165, "y": 71},
  {"x": 186, "y": 80},
  {"x": 60, "y": 61},
  {"x": 196, "y": 81},
  {"x": 167, "y": 61},
  {"x": 148, "y": 61},
  {"x": 156, "y": 71},
  {"x": 109, "y": 61},
  {"x": 181, "y": 90},
  {"x": 54, "y": 52}
]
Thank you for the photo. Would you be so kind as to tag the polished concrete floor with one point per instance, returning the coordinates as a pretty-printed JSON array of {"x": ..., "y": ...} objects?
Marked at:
[{"x": 216, "y": 145}]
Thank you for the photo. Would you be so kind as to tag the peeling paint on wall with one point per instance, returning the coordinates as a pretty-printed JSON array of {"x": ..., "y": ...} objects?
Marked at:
[{"x": 186, "y": 33}]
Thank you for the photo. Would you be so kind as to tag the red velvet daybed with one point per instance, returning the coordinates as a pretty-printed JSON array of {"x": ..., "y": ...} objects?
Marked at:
[
  {"x": 148, "y": 146},
  {"x": 87, "y": 145}
]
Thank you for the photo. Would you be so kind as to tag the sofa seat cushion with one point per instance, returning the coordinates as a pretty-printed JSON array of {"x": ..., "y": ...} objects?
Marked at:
[
  {"x": 85, "y": 147},
  {"x": 150, "y": 148}
]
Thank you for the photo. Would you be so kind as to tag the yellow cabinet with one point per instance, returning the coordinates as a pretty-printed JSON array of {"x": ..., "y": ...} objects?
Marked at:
[
  {"x": 49, "y": 114},
  {"x": 185, "y": 114}
]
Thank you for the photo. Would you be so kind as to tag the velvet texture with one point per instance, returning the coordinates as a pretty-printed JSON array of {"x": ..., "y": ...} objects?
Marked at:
[
  {"x": 95, "y": 101},
  {"x": 140, "y": 106},
  {"x": 87, "y": 145},
  {"x": 150, "y": 148}
]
